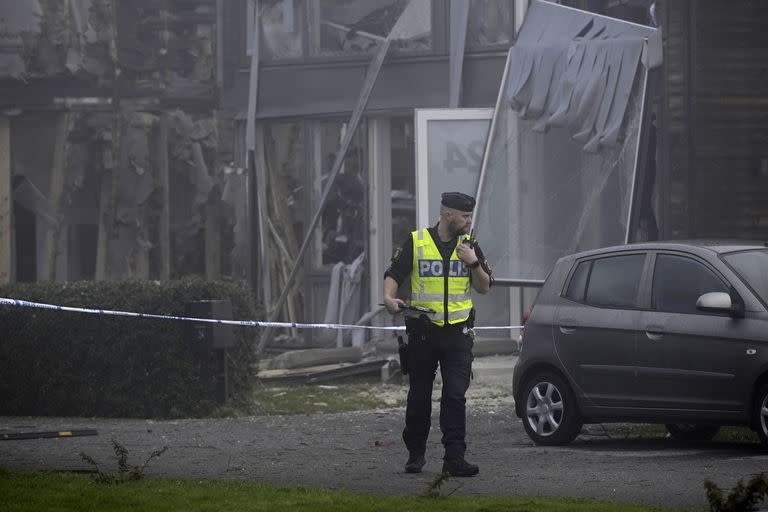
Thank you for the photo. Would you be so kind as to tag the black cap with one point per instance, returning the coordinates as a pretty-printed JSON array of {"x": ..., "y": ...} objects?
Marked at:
[{"x": 458, "y": 201}]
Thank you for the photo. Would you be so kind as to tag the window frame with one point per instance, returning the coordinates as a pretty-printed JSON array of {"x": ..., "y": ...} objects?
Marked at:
[
  {"x": 492, "y": 48},
  {"x": 741, "y": 279},
  {"x": 735, "y": 297},
  {"x": 591, "y": 260},
  {"x": 570, "y": 277}
]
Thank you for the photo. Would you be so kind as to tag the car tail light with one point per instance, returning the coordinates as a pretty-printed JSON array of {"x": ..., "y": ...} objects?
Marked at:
[{"x": 526, "y": 315}]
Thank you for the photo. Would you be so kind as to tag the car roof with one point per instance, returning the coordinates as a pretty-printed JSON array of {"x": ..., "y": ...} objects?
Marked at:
[{"x": 717, "y": 246}]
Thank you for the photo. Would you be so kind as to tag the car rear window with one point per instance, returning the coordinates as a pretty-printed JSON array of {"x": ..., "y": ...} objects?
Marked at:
[{"x": 615, "y": 281}]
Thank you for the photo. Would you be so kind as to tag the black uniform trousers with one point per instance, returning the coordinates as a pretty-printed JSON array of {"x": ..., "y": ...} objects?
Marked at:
[{"x": 452, "y": 349}]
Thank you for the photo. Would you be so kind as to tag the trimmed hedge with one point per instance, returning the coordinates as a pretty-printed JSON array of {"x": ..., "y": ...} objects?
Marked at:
[{"x": 77, "y": 364}]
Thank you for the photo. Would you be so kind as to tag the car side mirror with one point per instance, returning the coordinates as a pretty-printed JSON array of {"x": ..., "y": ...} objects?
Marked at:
[{"x": 719, "y": 302}]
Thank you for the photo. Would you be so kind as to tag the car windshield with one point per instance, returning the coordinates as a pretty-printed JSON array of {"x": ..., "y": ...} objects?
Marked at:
[{"x": 752, "y": 266}]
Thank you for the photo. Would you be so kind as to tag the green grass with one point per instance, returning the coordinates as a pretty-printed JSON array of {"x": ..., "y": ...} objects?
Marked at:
[
  {"x": 658, "y": 431},
  {"x": 312, "y": 399},
  {"x": 22, "y": 491},
  {"x": 327, "y": 398},
  {"x": 737, "y": 435}
]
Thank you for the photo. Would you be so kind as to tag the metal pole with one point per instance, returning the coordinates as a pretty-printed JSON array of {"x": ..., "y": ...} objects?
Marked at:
[
  {"x": 253, "y": 84},
  {"x": 254, "y": 160},
  {"x": 220, "y": 44},
  {"x": 488, "y": 141},
  {"x": 637, "y": 155},
  {"x": 522, "y": 283},
  {"x": 372, "y": 74}
]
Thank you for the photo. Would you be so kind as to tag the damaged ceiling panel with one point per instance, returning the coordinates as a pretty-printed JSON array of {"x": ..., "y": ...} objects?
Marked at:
[{"x": 574, "y": 69}]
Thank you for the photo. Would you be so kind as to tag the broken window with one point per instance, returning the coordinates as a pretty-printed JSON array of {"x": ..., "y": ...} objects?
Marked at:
[
  {"x": 490, "y": 23},
  {"x": 349, "y": 27},
  {"x": 280, "y": 27},
  {"x": 403, "y": 165},
  {"x": 341, "y": 234},
  {"x": 286, "y": 199},
  {"x": 338, "y": 27}
]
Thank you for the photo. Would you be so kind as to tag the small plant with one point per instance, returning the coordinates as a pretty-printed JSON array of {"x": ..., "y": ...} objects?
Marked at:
[
  {"x": 433, "y": 487},
  {"x": 742, "y": 498},
  {"x": 125, "y": 472}
]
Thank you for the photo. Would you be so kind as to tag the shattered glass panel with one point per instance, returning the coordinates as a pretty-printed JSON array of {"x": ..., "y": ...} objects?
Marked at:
[
  {"x": 490, "y": 23},
  {"x": 341, "y": 235},
  {"x": 554, "y": 197},
  {"x": 562, "y": 156},
  {"x": 349, "y": 27}
]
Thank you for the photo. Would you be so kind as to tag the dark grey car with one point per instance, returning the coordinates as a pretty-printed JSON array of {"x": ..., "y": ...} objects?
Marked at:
[{"x": 673, "y": 333}]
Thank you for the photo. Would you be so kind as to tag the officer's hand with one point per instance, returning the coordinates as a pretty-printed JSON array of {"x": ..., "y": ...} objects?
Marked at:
[
  {"x": 466, "y": 253},
  {"x": 393, "y": 304}
]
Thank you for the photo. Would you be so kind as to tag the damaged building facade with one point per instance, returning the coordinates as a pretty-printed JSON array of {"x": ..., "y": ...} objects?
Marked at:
[
  {"x": 156, "y": 139},
  {"x": 114, "y": 160},
  {"x": 315, "y": 60},
  {"x": 423, "y": 130}
]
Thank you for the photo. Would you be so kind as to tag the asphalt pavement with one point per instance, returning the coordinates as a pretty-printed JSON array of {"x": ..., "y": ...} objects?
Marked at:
[{"x": 362, "y": 451}]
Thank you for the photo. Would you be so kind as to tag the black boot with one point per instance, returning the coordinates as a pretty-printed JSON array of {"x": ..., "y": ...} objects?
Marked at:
[
  {"x": 459, "y": 467},
  {"x": 415, "y": 463}
]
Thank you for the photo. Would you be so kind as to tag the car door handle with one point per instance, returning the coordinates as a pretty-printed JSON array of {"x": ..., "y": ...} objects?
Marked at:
[
  {"x": 654, "y": 335},
  {"x": 567, "y": 329}
]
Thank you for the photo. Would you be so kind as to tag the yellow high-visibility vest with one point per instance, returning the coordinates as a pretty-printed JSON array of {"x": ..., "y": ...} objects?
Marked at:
[{"x": 429, "y": 286}]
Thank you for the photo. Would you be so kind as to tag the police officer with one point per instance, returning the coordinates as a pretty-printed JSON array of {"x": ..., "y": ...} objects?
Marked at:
[{"x": 442, "y": 263}]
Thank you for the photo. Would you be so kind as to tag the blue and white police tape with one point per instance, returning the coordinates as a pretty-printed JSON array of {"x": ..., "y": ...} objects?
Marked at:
[{"x": 245, "y": 323}]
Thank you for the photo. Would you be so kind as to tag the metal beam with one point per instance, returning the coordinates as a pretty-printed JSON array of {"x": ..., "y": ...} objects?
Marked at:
[
  {"x": 521, "y": 283},
  {"x": 6, "y": 203},
  {"x": 56, "y": 193},
  {"x": 163, "y": 176},
  {"x": 458, "y": 37},
  {"x": 253, "y": 84},
  {"x": 491, "y": 131},
  {"x": 255, "y": 161},
  {"x": 220, "y": 44},
  {"x": 260, "y": 170}
]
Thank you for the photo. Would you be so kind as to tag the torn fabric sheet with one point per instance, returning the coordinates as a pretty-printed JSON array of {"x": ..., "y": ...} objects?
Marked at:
[{"x": 574, "y": 69}]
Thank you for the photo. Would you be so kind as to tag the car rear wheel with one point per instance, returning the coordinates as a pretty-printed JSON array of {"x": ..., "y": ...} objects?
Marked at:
[
  {"x": 550, "y": 414},
  {"x": 760, "y": 413},
  {"x": 691, "y": 432}
]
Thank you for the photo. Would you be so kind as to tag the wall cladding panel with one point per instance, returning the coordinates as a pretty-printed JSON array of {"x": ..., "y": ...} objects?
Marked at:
[{"x": 730, "y": 118}]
